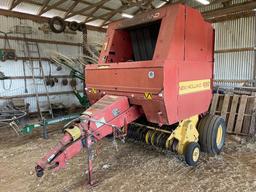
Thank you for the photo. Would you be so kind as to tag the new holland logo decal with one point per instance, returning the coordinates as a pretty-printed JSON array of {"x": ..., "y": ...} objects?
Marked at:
[{"x": 187, "y": 87}]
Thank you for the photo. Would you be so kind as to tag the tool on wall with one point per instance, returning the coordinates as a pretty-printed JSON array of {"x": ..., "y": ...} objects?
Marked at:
[
  {"x": 75, "y": 66},
  {"x": 3, "y": 78},
  {"x": 7, "y": 53},
  {"x": 58, "y": 25}
]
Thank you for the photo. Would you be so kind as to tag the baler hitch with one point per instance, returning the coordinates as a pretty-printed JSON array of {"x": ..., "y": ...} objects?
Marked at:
[{"x": 94, "y": 124}]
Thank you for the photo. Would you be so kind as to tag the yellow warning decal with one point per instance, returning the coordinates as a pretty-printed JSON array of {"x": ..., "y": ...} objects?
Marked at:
[
  {"x": 94, "y": 90},
  {"x": 148, "y": 96},
  {"x": 187, "y": 87}
]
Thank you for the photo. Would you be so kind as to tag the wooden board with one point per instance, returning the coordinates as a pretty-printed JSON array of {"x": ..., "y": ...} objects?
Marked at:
[
  {"x": 240, "y": 117},
  {"x": 214, "y": 103},
  {"x": 219, "y": 105},
  {"x": 247, "y": 119},
  {"x": 225, "y": 105},
  {"x": 232, "y": 115},
  {"x": 252, "y": 129}
]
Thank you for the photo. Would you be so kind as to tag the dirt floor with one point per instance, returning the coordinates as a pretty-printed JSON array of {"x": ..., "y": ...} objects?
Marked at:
[{"x": 134, "y": 167}]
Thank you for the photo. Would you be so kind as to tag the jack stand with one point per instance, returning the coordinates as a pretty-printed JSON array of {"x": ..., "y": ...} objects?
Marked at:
[
  {"x": 89, "y": 143},
  {"x": 45, "y": 130}
]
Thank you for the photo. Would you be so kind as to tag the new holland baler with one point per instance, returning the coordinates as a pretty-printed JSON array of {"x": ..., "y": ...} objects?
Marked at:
[{"x": 153, "y": 82}]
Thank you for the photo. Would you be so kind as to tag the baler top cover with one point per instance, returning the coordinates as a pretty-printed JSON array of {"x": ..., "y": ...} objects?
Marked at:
[{"x": 161, "y": 60}]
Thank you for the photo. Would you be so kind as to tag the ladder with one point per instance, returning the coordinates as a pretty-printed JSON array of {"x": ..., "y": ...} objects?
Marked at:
[{"x": 38, "y": 75}]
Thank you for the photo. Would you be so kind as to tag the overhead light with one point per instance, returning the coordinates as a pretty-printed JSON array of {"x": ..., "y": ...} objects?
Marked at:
[
  {"x": 204, "y": 2},
  {"x": 161, "y": 4},
  {"x": 127, "y": 15},
  {"x": 254, "y": 9}
]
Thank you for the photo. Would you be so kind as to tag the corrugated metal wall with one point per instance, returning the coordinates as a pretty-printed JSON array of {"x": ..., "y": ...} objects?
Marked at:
[
  {"x": 234, "y": 43},
  {"x": 15, "y": 68},
  {"x": 234, "y": 54}
]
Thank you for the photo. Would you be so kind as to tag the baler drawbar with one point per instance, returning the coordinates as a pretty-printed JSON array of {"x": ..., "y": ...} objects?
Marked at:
[{"x": 107, "y": 116}]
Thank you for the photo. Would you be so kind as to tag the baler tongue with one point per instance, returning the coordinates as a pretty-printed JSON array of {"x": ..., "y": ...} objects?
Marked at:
[{"x": 103, "y": 118}]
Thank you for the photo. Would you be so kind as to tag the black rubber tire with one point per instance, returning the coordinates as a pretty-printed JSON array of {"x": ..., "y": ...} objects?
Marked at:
[
  {"x": 60, "y": 22},
  {"x": 39, "y": 171},
  {"x": 73, "y": 26},
  {"x": 82, "y": 27},
  {"x": 208, "y": 128},
  {"x": 200, "y": 126},
  {"x": 189, "y": 153}
]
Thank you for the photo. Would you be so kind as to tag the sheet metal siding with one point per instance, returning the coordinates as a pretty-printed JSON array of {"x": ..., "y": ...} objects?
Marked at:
[
  {"x": 234, "y": 34},
  {"x": 239, "y": 33},
  {"x": 214, "y": 6},
  {"x": 15, "y": 68}
]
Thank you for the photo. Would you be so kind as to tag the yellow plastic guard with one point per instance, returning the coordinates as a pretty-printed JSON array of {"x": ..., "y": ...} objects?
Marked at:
[{"x": 74, "y": 132}]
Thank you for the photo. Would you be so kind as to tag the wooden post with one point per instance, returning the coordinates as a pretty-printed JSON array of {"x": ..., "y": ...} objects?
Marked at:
[
  {"x": 240, "y": 116},
  {"x": 225, "y": 106},
  {"x": 214, "y": 103},
  {"x": 232, "y": 115},
  {"x": 252, "y": 130}
]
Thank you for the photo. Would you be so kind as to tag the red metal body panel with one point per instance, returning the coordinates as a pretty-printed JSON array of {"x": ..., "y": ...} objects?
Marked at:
[
  {"x": 114, "y": 110},
  {"x": 183, "y": 53}
]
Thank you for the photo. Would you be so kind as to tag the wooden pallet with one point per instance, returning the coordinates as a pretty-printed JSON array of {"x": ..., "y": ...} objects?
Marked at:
[{"x": 238, "y": 110}]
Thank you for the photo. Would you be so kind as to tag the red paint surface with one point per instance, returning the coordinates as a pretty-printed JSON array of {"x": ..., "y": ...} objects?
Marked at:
[{"x": 184, "y": 52}]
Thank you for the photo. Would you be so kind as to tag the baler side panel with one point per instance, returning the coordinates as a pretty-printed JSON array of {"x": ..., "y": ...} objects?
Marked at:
[
  {"x": 170, "y": 43},
  {"x": 130, "y": 79},
  {"x": 175, "y": 54},
  {"x": 197, "y": 65}
]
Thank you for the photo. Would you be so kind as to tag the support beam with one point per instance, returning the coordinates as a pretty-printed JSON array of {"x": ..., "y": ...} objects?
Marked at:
[
  {"x": 231, "y": 17},
  {"x": 91, "y": 13},
  {"x": 234, "y": 50},
  {"x": 108, "y": 16},
  {"x": 142, "y": 9},
  {"x": 40, "y": 40},
  {"x": 46, "y": 2},
  {"x": 87, "y": 8},
  {"x": 65, "y": 10},
  {"x": 241, "y": 7},
  {"x": 55, "y": 5},
  {"x": 14, "y": 4},
  {"x": 211, "y": 4},
  {"x": 40, "y": 19},
  {"x": 72, "y": 7}
]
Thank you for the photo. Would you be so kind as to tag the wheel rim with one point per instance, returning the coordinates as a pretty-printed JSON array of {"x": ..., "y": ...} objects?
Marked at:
[
  {"x": 219, "y": 136},
  {"x": 195, "y": 154}
]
